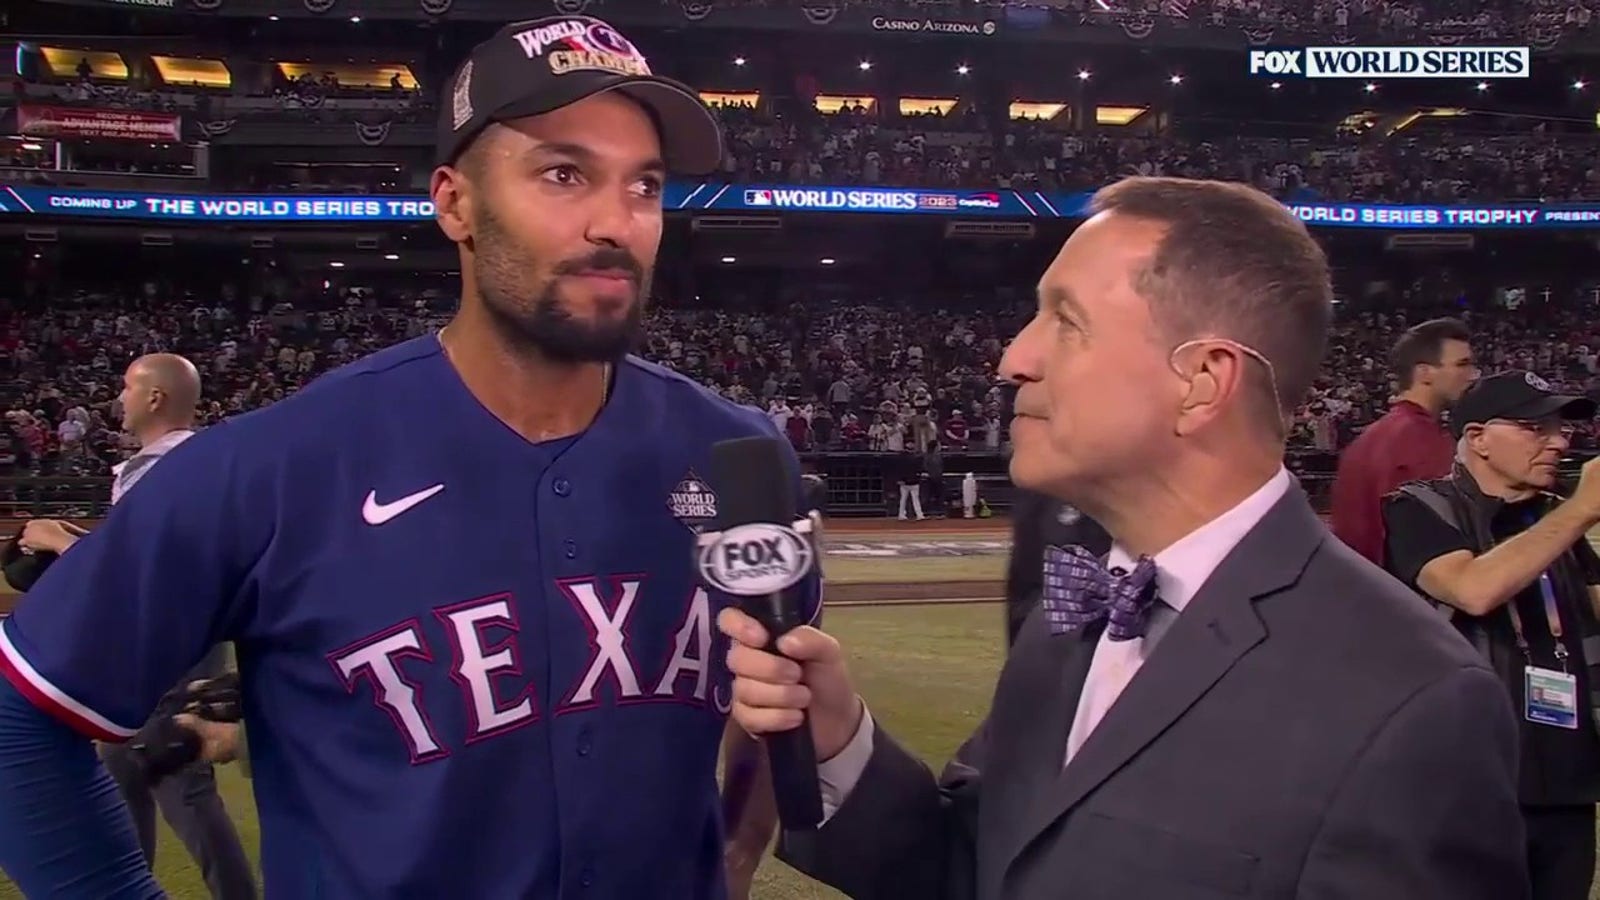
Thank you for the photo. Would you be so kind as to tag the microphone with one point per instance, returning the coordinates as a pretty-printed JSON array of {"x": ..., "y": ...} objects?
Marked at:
[{"x": 760, "y": 552}]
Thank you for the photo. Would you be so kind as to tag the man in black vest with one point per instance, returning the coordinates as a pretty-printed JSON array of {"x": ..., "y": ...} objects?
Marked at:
[{"x": 1511, "y": 560}]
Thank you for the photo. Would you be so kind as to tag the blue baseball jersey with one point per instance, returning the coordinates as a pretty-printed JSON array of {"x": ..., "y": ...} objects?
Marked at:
[{"x": 472, "y": 666}]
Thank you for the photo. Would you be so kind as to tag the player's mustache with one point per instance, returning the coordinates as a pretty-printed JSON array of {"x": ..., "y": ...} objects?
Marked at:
[{"x": 616, "y": 260}]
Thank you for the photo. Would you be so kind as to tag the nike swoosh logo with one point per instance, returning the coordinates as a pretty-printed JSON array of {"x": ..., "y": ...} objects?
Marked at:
[{"x": 375, "y": 513}]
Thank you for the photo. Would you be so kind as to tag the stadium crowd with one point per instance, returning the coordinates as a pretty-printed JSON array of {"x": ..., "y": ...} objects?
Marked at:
[
  {"x": 846, "y": 374},
  {"x": 850, "y": 148}
]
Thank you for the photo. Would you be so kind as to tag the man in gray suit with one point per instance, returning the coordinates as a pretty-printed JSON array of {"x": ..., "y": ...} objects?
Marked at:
[{"x": 1233, "y": 703}]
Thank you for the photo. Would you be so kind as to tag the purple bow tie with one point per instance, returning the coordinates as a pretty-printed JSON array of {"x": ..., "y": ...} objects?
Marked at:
[{"x": 1079, "y": 590}]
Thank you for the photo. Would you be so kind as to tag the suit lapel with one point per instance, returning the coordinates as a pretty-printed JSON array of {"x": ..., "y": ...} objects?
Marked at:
[
  {"x": 1217, "y": 627},
  {"x": 1067, "y": 666},
  {"x": 1034, "y": 706}
]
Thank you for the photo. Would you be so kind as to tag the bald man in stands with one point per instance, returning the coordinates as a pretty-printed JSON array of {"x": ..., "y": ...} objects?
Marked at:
[{"x": 160, "y": 393}]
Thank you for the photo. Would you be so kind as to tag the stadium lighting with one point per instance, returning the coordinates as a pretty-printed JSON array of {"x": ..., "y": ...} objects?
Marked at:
[
  {"x": 1277, "y": 85},
  {"x": 864, "y": 65},
  {"x": 1483, "y": 86},
  {"x": 336, "y": 264},
  {"x": 828, "y": 260},
  {"x": 1370, "y": 87},
  {"x": 391, "y": 256},
  {"x": 738, "y": 60},
  {"x": 1176, "y": 79},
  {"x": 729, "y": 259},
  {"x": 355, "y": 20},
  {"x": 32, "y": 146},
  {"x": 1083, "y": 74},
  {"x": 962, "y": 69},
  {"x": 272, "y": 18},
  {"x": 1579, "y": 85}
]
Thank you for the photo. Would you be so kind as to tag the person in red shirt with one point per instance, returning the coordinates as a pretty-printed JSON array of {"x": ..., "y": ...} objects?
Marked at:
[
  {"x": 1433, "y": 366},
  {"x": 799, "y": 429},
  {"x": 955, "y": 430}
]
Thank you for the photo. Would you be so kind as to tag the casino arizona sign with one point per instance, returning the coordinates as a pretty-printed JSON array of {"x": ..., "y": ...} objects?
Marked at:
[{"x": 932, "y": 26}]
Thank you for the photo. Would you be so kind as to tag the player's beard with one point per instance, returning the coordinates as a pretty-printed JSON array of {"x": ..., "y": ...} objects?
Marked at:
[{"x": 533, "y": 315}]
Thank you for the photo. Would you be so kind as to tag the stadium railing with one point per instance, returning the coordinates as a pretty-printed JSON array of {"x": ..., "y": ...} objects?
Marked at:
[
  {"x": 867, "y": 484},
  {"x": 859, "y": 485},
  {"x": 54, "y": 496}
]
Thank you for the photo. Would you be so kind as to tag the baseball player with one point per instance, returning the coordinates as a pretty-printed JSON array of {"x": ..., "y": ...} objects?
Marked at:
[
  {"x": 158, "y": 399},
  {"x": 474, "y": 655}
]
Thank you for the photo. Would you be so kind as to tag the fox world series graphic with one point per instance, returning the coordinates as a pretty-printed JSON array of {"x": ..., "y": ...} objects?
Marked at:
[{"x": 1480, "y": 63}]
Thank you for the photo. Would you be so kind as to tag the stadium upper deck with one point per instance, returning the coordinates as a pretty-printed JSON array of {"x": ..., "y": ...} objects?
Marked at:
[{"x": 337, "y": 101}]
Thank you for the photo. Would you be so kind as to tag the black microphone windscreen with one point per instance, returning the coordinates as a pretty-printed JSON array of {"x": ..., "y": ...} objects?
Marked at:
[{"x": 754, "y": 481}]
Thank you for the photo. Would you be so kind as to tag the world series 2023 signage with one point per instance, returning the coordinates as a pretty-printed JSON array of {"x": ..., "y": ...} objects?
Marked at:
[{"x": 713, "y": 197}]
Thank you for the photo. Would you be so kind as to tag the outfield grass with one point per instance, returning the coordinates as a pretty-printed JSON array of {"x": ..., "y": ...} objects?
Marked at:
[
  {"x": 979, "y": 567},
  {"x": 927, "y": 670}
]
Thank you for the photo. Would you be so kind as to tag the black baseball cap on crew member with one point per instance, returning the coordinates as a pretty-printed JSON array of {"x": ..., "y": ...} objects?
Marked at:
[
  {"x": 1521, "y": 396},
  {"x": 538, "y": 66}
]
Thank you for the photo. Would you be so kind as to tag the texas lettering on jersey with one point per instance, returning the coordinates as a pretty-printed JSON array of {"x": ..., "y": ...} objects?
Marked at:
[{"x": 484, "y": 660}]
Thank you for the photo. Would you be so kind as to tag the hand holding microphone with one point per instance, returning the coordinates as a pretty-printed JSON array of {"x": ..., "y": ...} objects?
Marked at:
[
  {"x": 763, "y": 554},
  {"x": 774, "y": 694}
]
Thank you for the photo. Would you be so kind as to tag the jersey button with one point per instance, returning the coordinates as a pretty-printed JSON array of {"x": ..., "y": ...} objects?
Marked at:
[
  {"x": 584, "y": 744},
  {"x": 586, "y": 877},
  {"x": 562, "y": 487},
  {"x": 572, "y": 549}
]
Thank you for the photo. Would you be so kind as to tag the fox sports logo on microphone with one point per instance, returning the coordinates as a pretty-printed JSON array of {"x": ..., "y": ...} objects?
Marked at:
[
  {"x": 754, "y": 560},
  {"x": 1481, "y": 63}
]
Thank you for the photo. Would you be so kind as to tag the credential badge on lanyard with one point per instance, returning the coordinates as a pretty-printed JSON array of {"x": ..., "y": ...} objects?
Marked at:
[{"x": 1549, "y": 697}]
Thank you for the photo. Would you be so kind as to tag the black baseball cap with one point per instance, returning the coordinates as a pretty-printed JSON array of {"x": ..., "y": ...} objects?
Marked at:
[
  {"x": 1516, "y": 395},
  {"x": 538, "y": 66}
]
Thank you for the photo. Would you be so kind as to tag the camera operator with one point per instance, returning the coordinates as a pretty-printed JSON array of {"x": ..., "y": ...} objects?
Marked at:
[{"x": 1511, "y": 558}]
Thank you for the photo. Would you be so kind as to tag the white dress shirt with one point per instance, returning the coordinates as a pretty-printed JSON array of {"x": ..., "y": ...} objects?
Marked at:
[
  {"x": 129, "y": 471},
  {"x": 1181, "y": 570}
]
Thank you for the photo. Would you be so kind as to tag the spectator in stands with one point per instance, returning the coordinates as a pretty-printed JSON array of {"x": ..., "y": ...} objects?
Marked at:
[
  {"x": 955, "y": 431},
  {"x": 1432, "y": 365}
]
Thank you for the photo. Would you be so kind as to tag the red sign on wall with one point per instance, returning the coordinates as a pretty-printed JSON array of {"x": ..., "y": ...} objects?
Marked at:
[{"x": 117, "y": 124}]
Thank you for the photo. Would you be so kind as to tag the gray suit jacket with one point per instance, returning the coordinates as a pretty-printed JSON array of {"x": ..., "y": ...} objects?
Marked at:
[{"x": 1307, "y": 728}]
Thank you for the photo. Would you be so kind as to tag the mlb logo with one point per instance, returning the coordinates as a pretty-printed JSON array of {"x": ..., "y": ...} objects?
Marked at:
[
  {"x": 757, "y": 198},
  {"x": 1277, "y": 62}
]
